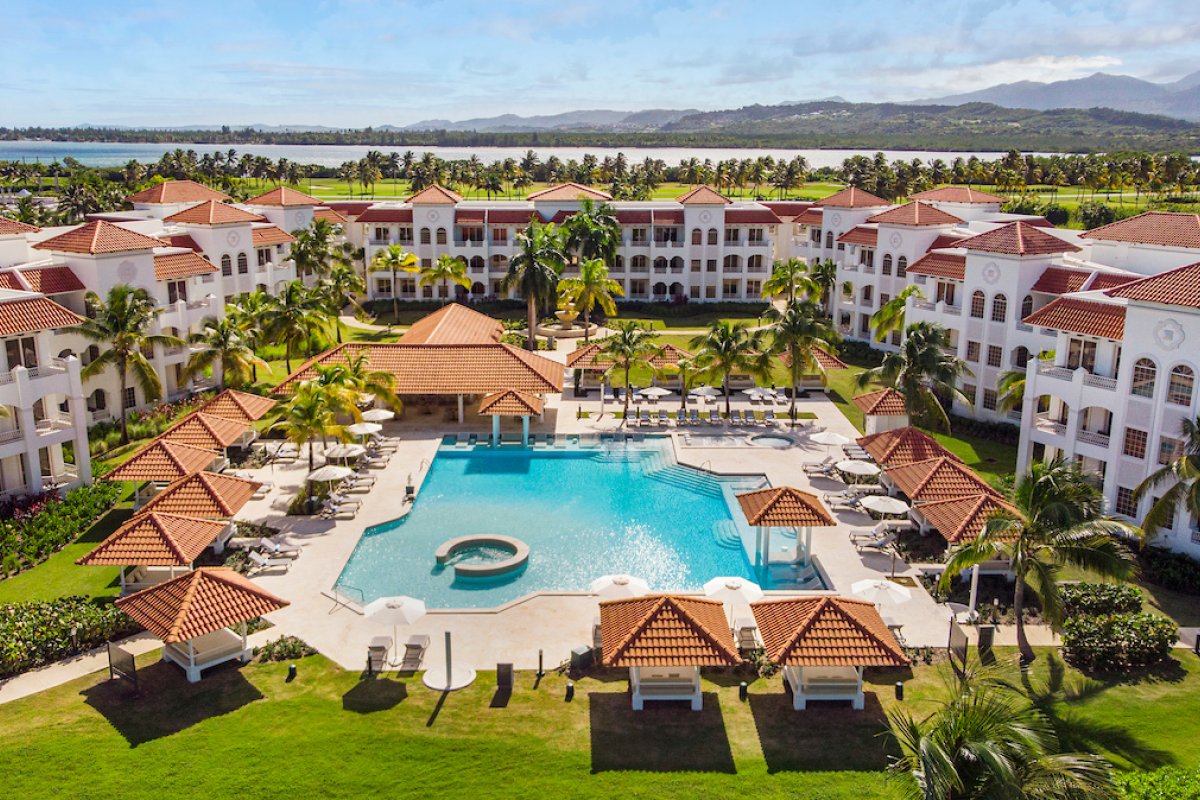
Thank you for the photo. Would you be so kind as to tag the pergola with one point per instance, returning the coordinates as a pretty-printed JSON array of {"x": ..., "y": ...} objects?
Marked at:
[
  {"x": 156, "y": 545},
  {"x": 511, "y": 403},
  {"x": 782, "y": 507},
  {"x": 193, "y": 615},
  {"x": 664, "y": 640},
  {"x": 161, "y": 462},
  {"x": 823, "y": 644}
]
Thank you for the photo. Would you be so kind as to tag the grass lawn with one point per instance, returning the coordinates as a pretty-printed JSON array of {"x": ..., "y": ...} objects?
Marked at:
[
  {"x": 60, "y": 576},
  {"x": 330, "y": 733}
]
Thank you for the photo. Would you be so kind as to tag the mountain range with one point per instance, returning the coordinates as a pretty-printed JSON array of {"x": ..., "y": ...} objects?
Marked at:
[{"x": 589, "y": 120}]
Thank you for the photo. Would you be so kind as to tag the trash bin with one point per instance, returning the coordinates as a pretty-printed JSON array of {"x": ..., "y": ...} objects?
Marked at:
[
  {"x": 987, "y": 637},
  {"x": 581, "y": 658}
]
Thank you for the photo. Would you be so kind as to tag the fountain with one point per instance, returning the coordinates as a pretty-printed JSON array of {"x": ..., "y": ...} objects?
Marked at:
[{"x": 566, "y": 327}]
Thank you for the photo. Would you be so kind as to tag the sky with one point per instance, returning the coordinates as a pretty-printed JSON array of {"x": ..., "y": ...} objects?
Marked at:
[{"x": 371, "y": 62}]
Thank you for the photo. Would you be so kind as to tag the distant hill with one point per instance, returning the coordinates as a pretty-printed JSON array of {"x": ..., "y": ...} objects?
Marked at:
[{"x": 593, "y": 120}]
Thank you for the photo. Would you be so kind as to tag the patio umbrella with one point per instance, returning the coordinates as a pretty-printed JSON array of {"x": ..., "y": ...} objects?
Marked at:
[
  {"x": 880, "y": 591},
  {"x": 616, "y": 587},
  {"x": 706, "y": 391},
  {"x": 345, "y": 451},
  {"x": 378, "y": 415},
  {"x": 859, "y": 469},
  {"x": 882, "y": 504},
  {"x": 363, "y": 428},
  {"x": 829, "y": 438},
  {"x": 330, "y": 472},
  {"x": 654, "y": 391},
  {"x": 396, "y": 610},
  {"x": 733, "y": 591}
]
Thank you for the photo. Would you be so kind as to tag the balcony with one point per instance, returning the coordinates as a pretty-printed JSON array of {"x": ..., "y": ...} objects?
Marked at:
[
  {"x": 55, "y": 366},
  {"x": 1099, "y": 381},
  {"x": 636, "y": 269},
  {"x": 759, "y": 243},
  {"x": 868, "y": 269},
  {"x": 1051, "y": 370},
  {"x": 468, "y": 243},
  {"x": 10, "y": 436},
  {"x": 850, "y": 267},
  {"x": 1094, "y": 437},
  {"x": 1021, "y": 326},
  {"x": 1047, "y": 424}
]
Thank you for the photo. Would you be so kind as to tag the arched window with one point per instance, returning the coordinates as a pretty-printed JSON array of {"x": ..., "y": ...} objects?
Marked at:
[
  {"x": 1027, "y": 306},
  {"x": 712, "y": 235},
  {"x": 477, "y": 263},
  {"x": 425, "y": 236},
  {"x": 1020, "y": 357},
  {"x": 887, "y": 264},
  {"x": 243, "y": 264},
  {"x": 697, "y": 236},
  {"x": 1000, "y": 308},
  {"x": 499, "y": 262},
  {"x": 226, "y": 265},
  {"x": 477, "y": 289},
  {"x": 638, "y": 263},
  {"x": 660, "y": 289},
  {"x": 98, "y": 400},
  {"x": 677, "y": 264},
  {"x": 902, "y": 266},
  {"x": 732, "y": 263},
  {"x": 754, "y": 263},
  {"x": 65, "y": 354},
  {"x": 977, "y": 303},
  {"x": 1179, "y": 389},
  {"x": 619, "y": 266},
  {"x": 441, "y": 235},
  {"x": 829, "y": 240},
  {"x": 660, "y": 263},
  {"x": 1144, "y": 374}
]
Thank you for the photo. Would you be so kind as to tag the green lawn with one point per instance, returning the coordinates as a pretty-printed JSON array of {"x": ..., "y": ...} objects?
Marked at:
[
  {"x": 332, "y": 733},
  {"x": 59, "y": 575}
]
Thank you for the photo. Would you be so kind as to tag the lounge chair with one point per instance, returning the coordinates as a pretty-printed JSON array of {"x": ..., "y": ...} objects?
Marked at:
[
  {"x": 261, "y": 563},
  {"x": 504, "y": 678},
  {"x": 414, "y": 653},
  {"x": 277, "y": 549},
  {"x": 644, "y": 416},
  {"x": 820, "y": 468},
  {"x": 878, "y": 532},
  {"x": 735, "y": 417},
  {"x": 377, "y": 651},
  {"x": 694, "y": 417},
  {"x": 848, "y": 503},
  {"x": 714, "y": 417},
  {"x": 769, "y": 417},
  {"x": 879, "y": 545},
  {"x": 664, "y": 418}
]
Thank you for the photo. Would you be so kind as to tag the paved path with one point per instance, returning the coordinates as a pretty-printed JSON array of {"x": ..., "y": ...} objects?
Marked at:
[{"x": 350, "y": 322}]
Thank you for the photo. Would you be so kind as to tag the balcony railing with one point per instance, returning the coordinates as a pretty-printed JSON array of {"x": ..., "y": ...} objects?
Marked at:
[
  {"x": 54, "y": 422},
  {"x": 1094, "y": 437},
  {"x": 1099, "y": 381},
  {"x": 1048, "y": 424},
  {"x": 1021, "y": 326},
  {"x": 868, "y": 269},
  {"x": 10, "y": 435},
  {"x": 1051, "y": 370}
]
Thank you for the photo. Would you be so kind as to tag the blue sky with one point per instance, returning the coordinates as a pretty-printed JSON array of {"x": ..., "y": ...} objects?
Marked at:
[{"x": 362, "y": 62}]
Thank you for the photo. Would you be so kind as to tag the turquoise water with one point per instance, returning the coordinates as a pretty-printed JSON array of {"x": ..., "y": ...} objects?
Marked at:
[{"x": 583, "y": 512}]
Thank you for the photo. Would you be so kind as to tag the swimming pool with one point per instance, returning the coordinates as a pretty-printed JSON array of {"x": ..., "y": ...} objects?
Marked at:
[{"x": 583, "y": 511}]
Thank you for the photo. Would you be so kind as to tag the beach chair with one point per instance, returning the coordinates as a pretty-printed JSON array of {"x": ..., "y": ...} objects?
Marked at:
[
  {"x": 714, "y": 417},
  {"x": 504, "y": 678},
  {"x": 694, "y": 417},
  {"x": 769, "y": 417},
  {"x": 644, "y": 416},
  {"x": 735, "y": 417},
  {"x": 260, "y": 563},
  {"x": 878, "y": 532},
  {"x": 377, "y": 650},
  {"x": 878, "y": 545},
  {"x": 277, "y": 549},
  {"x": 414, "y": 653},
  {"x": 820, "y": 468},
  {"x": 664, "y": 418}
]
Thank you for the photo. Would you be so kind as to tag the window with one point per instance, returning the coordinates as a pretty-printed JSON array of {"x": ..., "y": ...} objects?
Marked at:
[
  {"x": 639, "y": 264},
  {"x": 989, "y": 399},
  {"x": 1020, "y": 357},
  {"x": 815, "y": 235},
  {"x": 754, "y": 263},
  {"x": 902, "y": 267},
  {"x": 729, "y": 288},
  {"x": 867, "y": 256},
  {"x": 995, "y": 356},
  {"x": 500, "y": 263},
  {"x": 895, "y": 339},
  {"x": 1179, "y": 388},
  {"x": 977, "y": 303},
  {"x": 1169, "y": 449},
  {"x": 712, "y": 235},
  {"x": 731, "y": 236},
  {"x": 844, "y": 320},
  {"x": 969, "y": 391},
  {"x": 381, "y": 234},
  {"x": 697, "y": 236},
  {"x": 753, "y": 288},
  {"x": 945, "y": 293},
  {"x": 887, "y": 264},
  {"x": 695, "y": 265},
  {"x": 226, "y": 265},
  {"x": 441, "y": 235},
  {"x": 694, "y": 292},
  {"x": 499, "y": 235},
  {"x": 973, "y": 351},
  {"x": 754, "y": 235},
  {"x": 264, "y": 256},
  {"x": 710, "y": 293},
  {"x": 130, "y": 397},
  {"x": 829, "y": 241},
  {"x": 1000, "y": 308},
  {"x": 884, "y": 299},
  {"x": 1027, "y": 306},
  {"x": 732, "y": 264},
  {"x": 243, "y": 264},
  {"x": 1126, "y": 505},
  {"x": 1135, "y": 443},
  {"x": 477, "y": 265},
  {"x": 425, "y": 236},
  {"x": 637, "y": 236},
  {"x": 1081, "y": 353},
  {"x": 22, "y": 352},
  {"x": 404, "y": 236},
  {"x": 868, "y": 294},
  {"x": 710, "y": 265},
  {"x": 864, "y": 324},
  {"x": 383, "y": 286},
  {"x": 1144, "y": 374},
  {"x": 176, "y": 291},
  {"x": 407, "y": 287}
]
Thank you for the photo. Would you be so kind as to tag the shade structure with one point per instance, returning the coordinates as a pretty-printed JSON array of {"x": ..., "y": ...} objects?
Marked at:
[
  {"x": 783, "y": 507},
  {"x": 882, "y": 504},
  {"x": 706, "y": 391},
  {"x": 758, "y": 391},
  {"x": 615, "y": 587},
  {"x": 861, "y": 469},
  {"x": 395, "y": 610},
  {"x": 654, "y": 391},
  {"x": 330, "y": 472},
  {"x": 345, "y": 451},
  {"x": 829, "y": 438},
  {"x": 378, "y": 415},
  {"x": 363, "y": 428},
  {"x": 735, "y": 592},
  {"x": 880, "y": 591}
]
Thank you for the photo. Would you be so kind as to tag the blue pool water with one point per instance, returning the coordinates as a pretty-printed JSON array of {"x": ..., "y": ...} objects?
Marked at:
[{"x": 584, "y": 512}]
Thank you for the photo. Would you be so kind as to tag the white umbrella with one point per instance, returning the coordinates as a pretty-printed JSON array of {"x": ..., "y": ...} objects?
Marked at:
[
  {"x": 330, "y": 472},
  {"x": 615, "y": 587},
  {"x": 733, "y": 591},
  {"x": 880, "y": 591},
  {"x": 378, "y": 415},
  {"x": 706, "y": 391},
  {"x": 345, "y": 451},
  {"x": 396, "y": 610},
  {"x": 829, "y": 438},
  {"x": 363, "y": 428},
  {"x": 654, "y": 391},
  {"x": 860, "y": 469},
  {"x": 882, "y": 504}
]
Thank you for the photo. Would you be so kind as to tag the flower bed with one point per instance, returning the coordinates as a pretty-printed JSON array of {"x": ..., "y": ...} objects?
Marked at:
[
  {"x": 47, "y": 523},
  {"x": 35, "y": 634},
  {"x": 285, "y": 648},
  {"x": 1110, "y": 642},
  {"x": 105, "y": 436}
]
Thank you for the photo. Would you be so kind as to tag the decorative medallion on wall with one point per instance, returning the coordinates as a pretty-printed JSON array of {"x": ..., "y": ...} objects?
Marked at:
[
  {"x": 1169, "y": 334},
  {"x": 895, "y": 239},
  {"x": 991, "y": 272},
  {"x": 835, "y": 220},
  {"x": 706, "y": 216},
  {"x": 431, "y": 215},
  {"x": 126, "y": 271},
  {"x": 233, "y": 238}
]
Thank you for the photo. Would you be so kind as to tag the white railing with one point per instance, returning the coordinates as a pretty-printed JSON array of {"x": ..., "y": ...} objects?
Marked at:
[
  {"x": 1053, "y": 371},
  {"x": 1094, "y": 437},
  {"x": 1045, "y": 423},
  {"x": 10, "y": 436},
  {"x": 1099, "y": 381},
  {"x": 954, "y": 311}
]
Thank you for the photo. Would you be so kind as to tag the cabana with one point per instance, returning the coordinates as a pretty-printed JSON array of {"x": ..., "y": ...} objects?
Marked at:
[
  {"x": 814, "y": 381},
  {"x": 899, "y": 446},
  {"x": 208, "y": 495},
  {"x": 782, "y": 507},
  {"x": 664, "y": 640},
  {"x": 239, "y": 406},
  {"x": 941, "y": 478},
  {"x": 824, "y": 643},
  {"x": 511, "y": 403},
  {"x": 160, "y": 463},
  {"x": 153, "y": 547},
  {"x": 883, "y": 410},
  {"x": 590, "y": 360},
  {"x": 193, "y": 615},
  {"x": 210, "y": 432}
]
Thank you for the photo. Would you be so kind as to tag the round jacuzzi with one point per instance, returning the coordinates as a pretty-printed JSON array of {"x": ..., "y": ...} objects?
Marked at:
[
  {"x": 483, "y": 556},
  {"x": 776, "y": 441}
]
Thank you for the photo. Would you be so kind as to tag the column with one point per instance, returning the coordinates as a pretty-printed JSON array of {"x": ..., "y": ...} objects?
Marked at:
[
  {"x": 28, "y": 428},
  {"x": 525, "y": 430},
  {"x": 1028, "y": 415},
  {"x": 461, "y": 413},
  {"x": 495, "y": 430},
  {"x": 79, "y": 420}
]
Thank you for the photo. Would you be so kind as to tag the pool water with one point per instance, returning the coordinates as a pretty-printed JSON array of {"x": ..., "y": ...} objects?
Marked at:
[{"x": 584, "y": 512}]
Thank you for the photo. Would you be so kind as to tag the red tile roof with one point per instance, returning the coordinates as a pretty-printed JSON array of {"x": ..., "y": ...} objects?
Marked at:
[
  {"x": 885, "y": 402},
  {"x": 667, "y": 216},
  {"x": 852, "y": 197},
  {"x": 867, "y": 237},
  {"x": 349, "y": 208},
  {"x": 198, "y": 602},
  {"x": 569, "y": 191},
  {"x": 212, "y": 212},
  {"x": 1110, "y": 280},
  {"x": 173, "y": 192},
  {"x": 163, "y": 462},
  {"x": 181, "y": 265},
  {"x": 156, "y": 540},
  {"x": 962, "y": 518},
  {"x": 936, "y": 479},
  {"x": 435, "y": 195},
  {"x": 823, "y": 357},
  {"x": 266, "y": 235},
  {"x": 633, "y": 217},
  {"x": 784, "y": 507},
  {"x": 666, "y": 631},
  {"x": 386, "y": 214},
  {"x": 181, "y": 240},
  {"x": 510, "y": 403},
  {"x": 788, "y": 208},
  {"x": 10, "y": 280},
  {"x": 1105, "y": 320},
  {"x": 1061, "y": 280},
  {"x": 515, "y": 216},
  {"x": 34, "y": 314},
  {"x": 329, "y": 215},
  {"x": 98, "y": 237},
  {"x": 52, "y": 280},
  {"x": 590, "y": 357},
  {"x": 945, "y": 240},
  {"x": 205, "y": 430},
  {"x": 209, "y": 495},
  {"x": 470, "y": 216},
  {"x": 562, "y": 215},
  {"x": 283, "y": 197},
  {"x": 810, "y": 216},
  {"x": 826, "y": 632},
  {"x": 902, "y": 446},
  {"x": 940, "y": 265},
  {"x": 751, "y": 216},
  {"x": 915, "y": 214},
  {"x": 1018, "y": 239},
  {"x": 703, "y": 195},
  {"x": 958, "y": 194},
  {"x": 1177, "y": 287},
  {"x": 12, "y": 227},
  {"x": 1164, "y": 228},
  {"x": 242, "y": 406},
  {"x": 454, "y": 323}
]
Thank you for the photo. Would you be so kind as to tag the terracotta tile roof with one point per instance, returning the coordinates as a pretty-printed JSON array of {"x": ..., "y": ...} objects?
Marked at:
[
  {"x": 98, "y": 237},
  {"x": 751, "y": 216},
  {"x": 868, "y": 237},
  {"x": 703, "y": 195},
  {"x": 163, "y": 462},
  {"x": 810, "y": 216},
  {"x": 1110, "y": 280},
  {"x": 12, "y": 227},
  {"x": 1105, "y": 320},
  {"x": 666, "y": 631},
  {"x": 349, "y": 208},
  {"x": 283, "y": 197},
  {"x": 510, "y": 403},
  {"x": 156, "y": 540},
  {"x": 667, "y": 216},
  {"x": 902, "y": 446},
  {"x": 1176, "y": 287},
  {"x": 1061, "y": 280},
  {"x": 852, "y": 197},
  {"x": 826, "y": 632},
  {"x": 590, "y": 357},
  {"x": 435, "y": 195},
  {"x": 205, "y": 494},
  {"x": 568, "y": 191},
  {"x": 940, "y": 265},
  {"x": 329, "y": 215},
  {"x": 454, "y": 323},
  {"x": 10, "y": 280},
  {"x": 181, "y": 265},
  {"x": 205, "y": 430},
  {"x": 470, "y": 216},
  {"x": 52, "y": 280},
  {"x": 784, "y": 507},
  {"x": 915, "y": 214},
  {"x": 945, "y": 240},
  {"x": 515, "y": 216},
  {"x": 1018, "y": 239},
  {"x": 936, "y": 479},
  {"x": 962, "y": 518},
  {"x": 34, "y": 314},
  {"x": 1165, "y": 228},
  {"x": 265, "y": 235},
  {"x": 181, "y": 240},
  {"x": 958, "y": 194},
  {"x": 386, "y": 214},
  {"x": 788, "y": 208},
  {"x": 198, "y": 602},
  {"x": 562, "y": 215},
  {"x": 885, "y": 402},
  {"x": 212, "y": 212},
  {"x": 171, "y": 192},
  {"x": 634, "y": 216},
  {"x": 447, "y": 368},
  {"x": 823, "y": 357},
  {"x": 241, "y": 406}
]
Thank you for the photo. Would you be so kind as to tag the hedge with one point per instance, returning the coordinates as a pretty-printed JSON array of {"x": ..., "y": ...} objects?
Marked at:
[
  {"x": 1169, "y": 783},
  {"x": 49, "y": 523},
  {"x": 1110, "y": 642},
  {"x": 35, "y": 634},
  {"x": 1175, "y": 571},
  {"x": 1090, "y": 599}
]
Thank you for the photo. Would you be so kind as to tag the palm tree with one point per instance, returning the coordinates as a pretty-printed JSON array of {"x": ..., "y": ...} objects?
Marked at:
[
  {"x": 630, "y": 345},
  {"x": 534, "y": 271},
  {"x": 1183, "y": 473},
  {"x": 122, "y": 321},
  {"x": 987, "y": 741},
  {"x": 688, "y": 373},
  {"x": 788, "y": 277},
  {"x": 446, "y": 270},
  {"x": 1061, "y": 523},
  {"x": 314, "y": 250},
  {"x": 222, "y": 341},
  {"x": 922, "y": 370},
  {"x": 823, "y": 275},
  {"x": 890, "y": 316},
  {"x": 728, "y": 347},
  {"x": 306, "y": 417},
  {"x": 358, "y": 374},
  {"x": 395, "y": 261},
  {"x": 593, "y": 232},
  {"x": 338, "y": 288},
  {"x": 296, "y": 315},
  {"x": 249, "y": 314},
  {"x": 591, "y": 288},
  {"x": 796, "y": 331}
]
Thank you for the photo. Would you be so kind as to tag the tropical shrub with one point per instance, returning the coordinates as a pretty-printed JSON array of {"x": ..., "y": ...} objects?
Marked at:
[
  {"x": 1174, "y": 571},
  {"x": 35, "y": 634},
  {"x": 1110, "y": 642},
  {"x": 860, "y": 354},
  {"x": 1093, "y": 214},
  {"x": 1002, "y": 432},
  {"x": 105, "y": 436},
  {"x": 1056, "y": 214},
  {"x": 518, "y": 340},
  {"x": 1168, "y": 783},
  {"x": 43, "y": 525},
  {"x": 285, "y": 648},
  {"x": 1090, "y": 599}
]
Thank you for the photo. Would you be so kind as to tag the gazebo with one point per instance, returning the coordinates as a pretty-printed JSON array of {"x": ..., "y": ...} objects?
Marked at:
[
  {"x": 590, "y": 359},
  {"x": 941, "y": 478},
  {"x": 823, "y": 644},
  {"x": 210, "y": 432},
  {"x": 782, "y": 507},
  {"x": 511, "y": 403},
  {"x": 157, "y": 546},
  {"x": 208, "y": 495},
  {"x": 240, "y": 406},
  {"x": 883, "y": 410},
  {"x": 664, "y": 640},
  {"x": 193, "y": 615},
  {"x": 161, "y": 462},
  {"x": 902, "y": 446}
]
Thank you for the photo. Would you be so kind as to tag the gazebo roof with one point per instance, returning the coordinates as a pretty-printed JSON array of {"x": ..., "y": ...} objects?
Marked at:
[
  {"x": 243, "y": 406},
  {"x": 591, "y": 357},
  {"x": 826, "y": 632},
  {"x": 205, "y": 494},
  {"x": 885, "y": 403},
  {"x": 199, "y": 602},
  {"x": 902, "y": 446},
  {"x": 454, "y": 323},
  {"x": 156, "y": 539},
  {"x": 666, "y": 631},
  {"x": 939, "y": 478},
  {"x": 511, "y": 403},
  {"x": 163, "y": 462},
  {"x": 784, "y": 507},
  {"x": 962, "y": 518},
  {"x": 823, "y": 357},
  {"x": 206, "y": 430}
]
